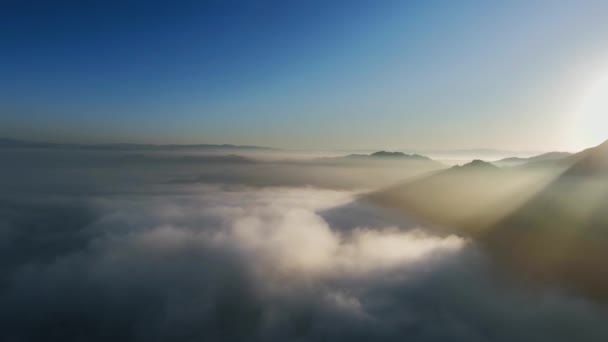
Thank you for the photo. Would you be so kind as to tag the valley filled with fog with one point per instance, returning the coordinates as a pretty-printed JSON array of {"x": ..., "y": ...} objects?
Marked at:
[{"x": 154, "y": 245}]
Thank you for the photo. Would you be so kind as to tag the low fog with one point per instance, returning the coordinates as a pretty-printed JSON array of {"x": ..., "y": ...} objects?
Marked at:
[{"x": 123, "y": 246}]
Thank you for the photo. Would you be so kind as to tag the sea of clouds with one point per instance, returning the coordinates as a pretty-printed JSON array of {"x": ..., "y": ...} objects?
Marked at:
[{"x": 230, "y": 262}]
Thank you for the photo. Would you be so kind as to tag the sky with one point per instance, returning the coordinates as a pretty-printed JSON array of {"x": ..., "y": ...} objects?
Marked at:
[{"x": 516, "y": 75}]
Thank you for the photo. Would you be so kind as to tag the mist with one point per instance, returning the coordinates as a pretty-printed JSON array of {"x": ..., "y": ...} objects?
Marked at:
[{"x": 100, "y": 245}]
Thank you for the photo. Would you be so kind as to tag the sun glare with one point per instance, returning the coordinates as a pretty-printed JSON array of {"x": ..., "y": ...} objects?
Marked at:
[{"x": 593, "y": 116}]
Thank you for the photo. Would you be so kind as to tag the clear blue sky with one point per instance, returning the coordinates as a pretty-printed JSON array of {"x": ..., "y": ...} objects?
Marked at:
[{"x": 304, "y": 74}]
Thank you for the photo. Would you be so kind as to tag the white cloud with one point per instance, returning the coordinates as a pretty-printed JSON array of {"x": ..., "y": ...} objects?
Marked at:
[
  {"x": 235, "y": 263},
  {"x": 281, "y": 229}
]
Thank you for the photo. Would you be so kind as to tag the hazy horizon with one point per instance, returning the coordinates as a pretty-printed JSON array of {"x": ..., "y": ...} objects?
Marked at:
[{"x": 320, "y": 149}]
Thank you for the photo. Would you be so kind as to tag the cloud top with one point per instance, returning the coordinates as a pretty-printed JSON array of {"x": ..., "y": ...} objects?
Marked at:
[{"x": 222, "y": 263}]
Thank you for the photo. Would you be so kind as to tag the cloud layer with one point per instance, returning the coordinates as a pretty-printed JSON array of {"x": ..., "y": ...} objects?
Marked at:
[{"x": 218, "y": 263}]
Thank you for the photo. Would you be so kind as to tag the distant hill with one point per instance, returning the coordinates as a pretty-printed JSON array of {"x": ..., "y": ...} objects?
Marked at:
[
  {"x": 476, "y": 165},
  {"x": 516, "y": 161},
  {"x": 383, "y": 155},
  {"x": 465, "y": 155},
  {"x": 544, "y": 224},
  {"x": 15, "y": 143}
]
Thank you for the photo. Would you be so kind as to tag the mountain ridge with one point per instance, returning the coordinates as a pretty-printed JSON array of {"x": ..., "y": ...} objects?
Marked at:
[
  {"x": 545, "y": 224},
  {"x": 545, "y": 157}
]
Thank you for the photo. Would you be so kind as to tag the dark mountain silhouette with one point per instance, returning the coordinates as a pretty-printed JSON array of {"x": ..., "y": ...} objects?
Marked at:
[
  {"x": 476, "y": 165},
  {"x": 384, "y": 155},
  {"x": 387, "y": 155},
  {"x": 548, "y": 225},
  {"x": 561, "y": 233}
]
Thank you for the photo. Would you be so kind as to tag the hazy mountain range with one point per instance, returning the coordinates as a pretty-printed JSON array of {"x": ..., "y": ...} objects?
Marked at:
[
  {"x": 456, "y": 155},
  {"x": 516, "y": 161},
  {"x": 550, "y": 224}
]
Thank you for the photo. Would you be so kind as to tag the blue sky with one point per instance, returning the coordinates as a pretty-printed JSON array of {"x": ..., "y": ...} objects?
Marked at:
[{"x": 304, "y": 74}]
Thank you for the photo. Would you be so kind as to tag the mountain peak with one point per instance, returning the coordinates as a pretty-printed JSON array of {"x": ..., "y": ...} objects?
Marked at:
[
  {"x": 387, "y": 154},
  {"x": 476, "y": 164}
]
